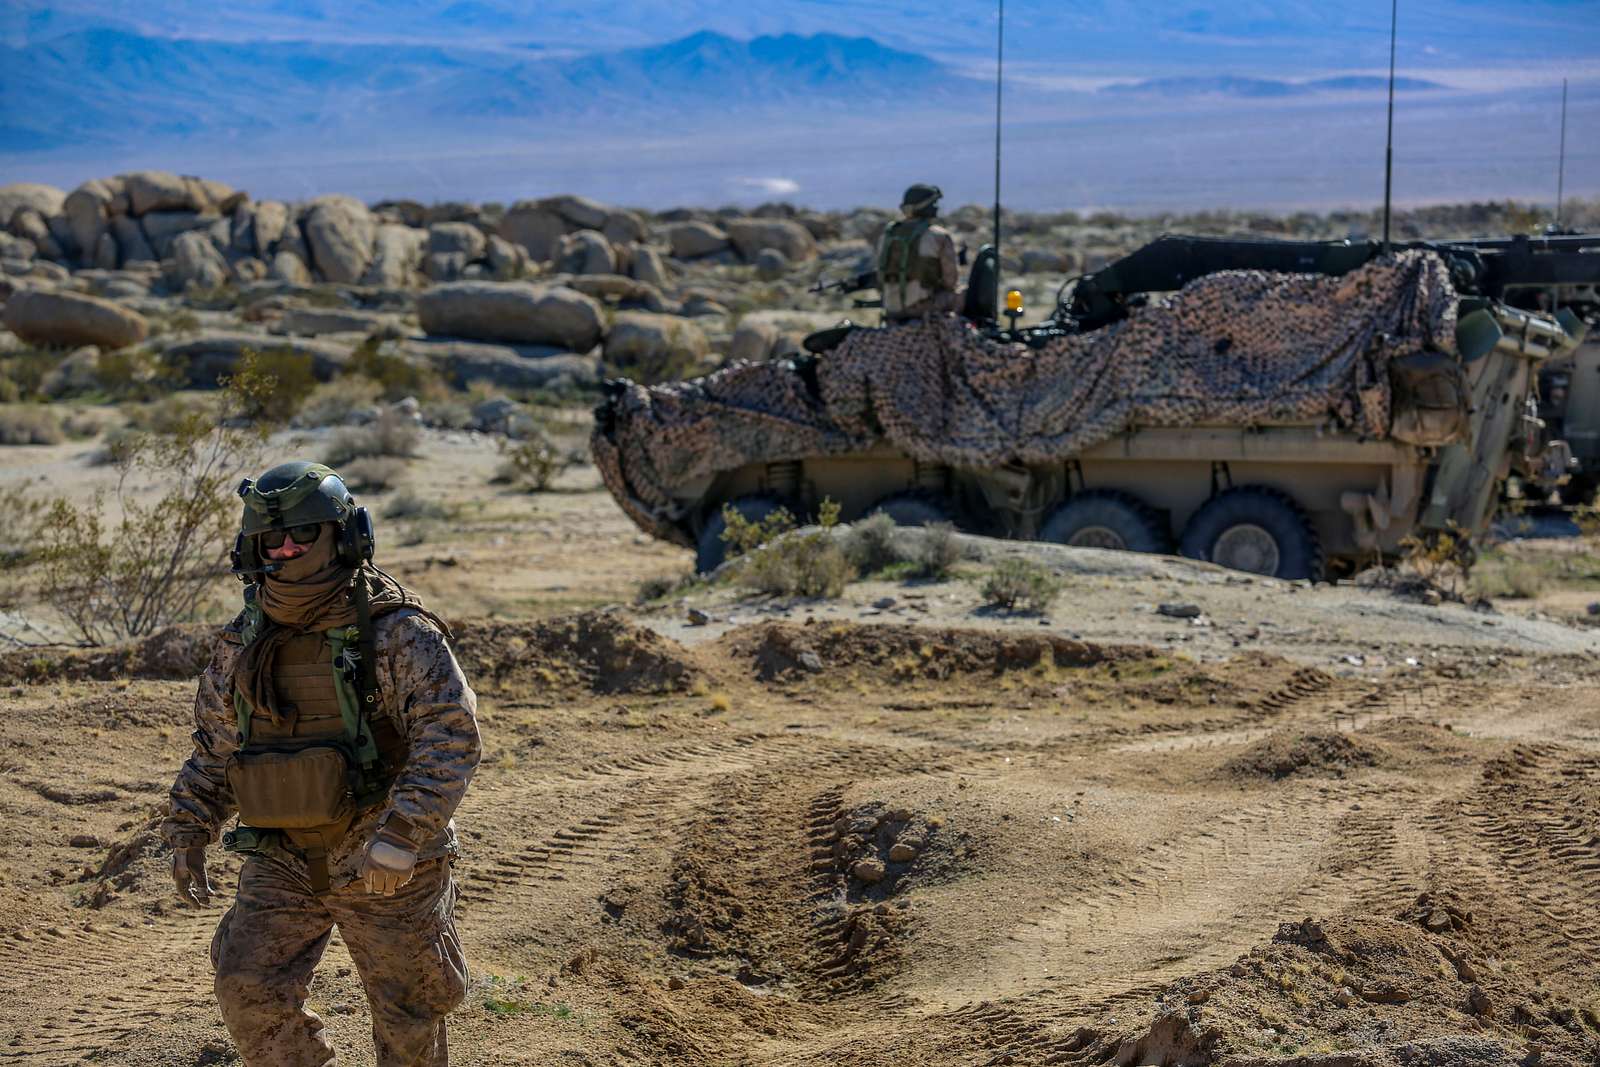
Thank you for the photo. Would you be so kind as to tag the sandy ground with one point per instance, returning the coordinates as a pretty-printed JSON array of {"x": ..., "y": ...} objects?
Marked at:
[{"x": 1323, "y": 825}]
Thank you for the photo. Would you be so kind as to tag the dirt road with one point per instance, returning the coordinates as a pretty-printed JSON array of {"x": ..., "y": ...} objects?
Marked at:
[{"x": 942, "y": 847}]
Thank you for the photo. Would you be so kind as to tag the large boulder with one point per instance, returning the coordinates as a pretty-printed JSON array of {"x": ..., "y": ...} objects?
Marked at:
[
  {"x": 269, "y": 219},
  {"x": 585, "y": 252},
  {"x": 88, "y": 209},
  {"x": 507, "y": 261},
  {"x": 197, "y": 261},
  {"x": 78, "y": 373},
  {"x": 396, "y": 255},
  {"x": 17, "y": 247},
  {"x": 534, "y": 228},
  {"x": 754, "y": 342},
  {"x": 579, "y": 212},
  {"x": 47, "y": 200},
  {"x": 691, "y": 240},
  {"x": 288, "y": 267},
  {"x": 162, "y": 228},
  {"x": 648, "y": 267},
  {"x": 131, "y": 241},
  {"x": 341, "y": 233},
  {"x": 751, "y": 236},
  {"x": 313, "y": 322},
  {"x": 623, "y": 227},
  {"x": 516, "y": 312},
  {"x": 214, "y": 355},
  {"x": 507, "y": 367},
  {"x": 457, "y": 237},
  {"x": 49, "y": 317},
  {"x": 160, "y": 190},
  {"x": 653, "y": 348}
]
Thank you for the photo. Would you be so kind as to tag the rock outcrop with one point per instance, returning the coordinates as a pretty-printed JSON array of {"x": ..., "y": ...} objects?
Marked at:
[
  {"x": 516, "y": 312},
  {"x": 49, "y": 317},
  {"x": 340, "y": 232}
]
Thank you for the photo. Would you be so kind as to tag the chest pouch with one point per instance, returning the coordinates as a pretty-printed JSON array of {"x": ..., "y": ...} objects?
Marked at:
[{"x": 307, "y": 787}]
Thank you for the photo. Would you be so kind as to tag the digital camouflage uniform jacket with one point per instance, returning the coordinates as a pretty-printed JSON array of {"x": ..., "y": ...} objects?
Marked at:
[{"x": 429, "y": 701}]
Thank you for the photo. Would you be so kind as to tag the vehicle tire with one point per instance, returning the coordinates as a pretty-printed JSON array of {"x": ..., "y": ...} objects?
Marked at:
[
  {"x": 1255, "y": 529},
  {"x": 913, "y": 508},
  {"x": 1107, "y": 518},
  {"x": 710, "y": 550}
]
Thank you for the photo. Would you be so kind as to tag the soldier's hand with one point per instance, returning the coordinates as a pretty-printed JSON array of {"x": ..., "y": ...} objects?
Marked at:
[
  {"x": 189, "y": 874},
  {"x": 387, "y": 867}
]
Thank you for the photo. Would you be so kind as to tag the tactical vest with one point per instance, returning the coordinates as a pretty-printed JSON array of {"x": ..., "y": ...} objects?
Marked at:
[
  {"x": 308, "y": 777},
  {"x": 902, "y": 263}
]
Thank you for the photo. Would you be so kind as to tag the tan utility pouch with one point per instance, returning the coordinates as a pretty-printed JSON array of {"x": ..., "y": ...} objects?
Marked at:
[
  {"x": 296, "y": 790},
  {"x": 1431, "y": 400}
]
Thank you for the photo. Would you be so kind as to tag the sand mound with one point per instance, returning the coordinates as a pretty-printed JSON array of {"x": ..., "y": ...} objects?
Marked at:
[
  {"x": 597, "y": 651},
  {"x": 174, "y": 653},
  {"x": 1312, "y": 753},
  {"x": 780, "y": 649}
]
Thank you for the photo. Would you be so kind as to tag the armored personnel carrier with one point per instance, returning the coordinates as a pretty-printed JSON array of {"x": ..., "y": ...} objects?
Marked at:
[{"x": 1287, "y": 408}]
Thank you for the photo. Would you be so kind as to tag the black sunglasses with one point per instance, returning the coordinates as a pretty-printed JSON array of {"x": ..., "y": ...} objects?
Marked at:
[{"x": 303, "y": 535}]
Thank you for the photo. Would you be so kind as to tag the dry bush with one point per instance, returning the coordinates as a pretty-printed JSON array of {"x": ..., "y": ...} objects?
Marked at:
[
  {"x": 374, "y": 474},
  {"x": 869, "y": 544},
  {"x": 938, "y": 552},
  {"x": 1020, "y": 583},
  {"x": 409, "y": 504},
  {"x": 334, "y": 403},
  {"x": 154, "y": 564},
  {"x": 135, "y": 374},
  {"x": 30, "y": 424},
  {"x": 776, "y": 558},
  {"x": 530, "y": 464},
  {"x": 23, "y": 370},
  {"x": 1514, "y": 578},
  {"x": 396, "y": 377},
  {"x": 1435, "y": 560},
  {"x": 294, "y": 382},
  {"x": 391, "y": 434}
]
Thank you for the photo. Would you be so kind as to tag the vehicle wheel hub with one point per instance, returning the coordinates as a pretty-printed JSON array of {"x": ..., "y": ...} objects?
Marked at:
[
  {"x": 1247, "y": 547},
  {"x": 1097, "y": 537}
]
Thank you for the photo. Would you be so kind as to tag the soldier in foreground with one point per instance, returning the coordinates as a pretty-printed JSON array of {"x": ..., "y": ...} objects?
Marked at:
[
  {"x": 334, "y": 719},
  {"x": 918, "y": 269}
]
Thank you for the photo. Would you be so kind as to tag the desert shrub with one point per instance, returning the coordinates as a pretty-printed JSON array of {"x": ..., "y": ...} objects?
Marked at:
[
  {"x": 530, "y": 464},
  {"x": 1020, "y": 583},
  {"x": 134, "y": 374},
  {"x": 409, "y": 504},
  {"x": 325, "y": 296},
  {"x": 221, "y": 297},
  {"x": 30, "y": 424},
  {"x": 23, "y": 370},
  {"x": 450, "y": 413},
  {"x": 1437, "y": 560},
  {"x": 150, "y": 561},
  {"x": 778, "y": 559},
  {"x": 294, "y": 381},
  {"x": 333, "y": 403},
  {"x": 391, "y": 434},
  {"x": 396, "y": 376},
  {"x": 373, "y": 474},
  {"x": 1518, "y": 579},
  {"x": 937, "y": 552},
  {"x": 869, "y": 545},
  {"x": 20, "y": 512}
]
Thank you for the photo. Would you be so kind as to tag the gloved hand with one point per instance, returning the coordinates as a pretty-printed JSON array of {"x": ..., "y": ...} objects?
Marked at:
[
  {"x": 189, "y": 874},
  {"x": 386, "y": 867}
]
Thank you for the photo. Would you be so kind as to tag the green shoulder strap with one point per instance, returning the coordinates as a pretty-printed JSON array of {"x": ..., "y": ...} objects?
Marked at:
[
  {"x": 250, "y": 628},
  {"x": 900, "y": 252}
]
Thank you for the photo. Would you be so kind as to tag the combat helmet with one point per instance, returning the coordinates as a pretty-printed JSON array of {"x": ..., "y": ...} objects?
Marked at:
[
  {"x": 920, "y": 199},
  {"x": 300, "y": 493}
]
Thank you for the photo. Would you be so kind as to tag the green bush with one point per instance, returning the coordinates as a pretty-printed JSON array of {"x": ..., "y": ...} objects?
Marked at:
[
  {"x": 396, "y": 376},
  {"x": 776, "y": 558},
  {"x": 530, "y": 464},
  {"x": 869, "y": 545},
  {"x": 292, "y": 379},
  {"x": 938, "y": 552},
  {"x": 23, "y": 370},
  {"x": 1020, "y": 583}
]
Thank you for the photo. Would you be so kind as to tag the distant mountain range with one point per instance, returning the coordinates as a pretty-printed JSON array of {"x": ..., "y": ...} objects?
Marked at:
[
  {"x": 112, "y": 86},
  {"x": 1265, "y": 88}
]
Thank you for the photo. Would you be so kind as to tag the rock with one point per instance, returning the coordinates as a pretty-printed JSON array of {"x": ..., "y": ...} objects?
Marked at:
[
  {"x": 198, "y": 263},
  {"x": 215, "y": 354},
  {"x": 162, "y": 228},
  {"x": 810, "y": 661},
  {"x": 1478, "y": 1002},
  {"x": 160, "y": 190},
  {"x": 249, "y": 269},
  {"x": 901, "y": 852},
  {"x": 579, "y": 212},
  {"x": 703, "y": 307},
  {"x": 445, "y": 237},
  {"x": 268, "y": 222},
  {"x": 131, "y": 242},
  {"x": 691, "y": 240},
  {"x": 289, "y": 267},
  {"x": 61, "y": 232},
  {"x": 444, "y": 266},
  {"x": 655, "y": 347},
  {"x": 88, "y": 211},
  {"x": 869, "y": 870},
  {"x": 312, "y": 322},
  {"x": 623, "y": 227},
  {"x": 396, "y": 255},
  {"x": 696, "y": 617},
  {"x": 1045, "y": 261},
  {"x": 1179, "y": 611},
  {"x": 46, "y": 317},
  {"x": 507, "y": 261},
  {"x": 536, "y": 230},
  {"x": 78, "y": 373},
  {"x": 17, "y": 247},
  {"x": 754, "y": 341},
  {"x": 512, "y": 311},
  {"x": 29, "y": 225},
  {"x": 507, "y": 367},
  {"x": 496, "y": 413},
  {"x": 648, "y": 266},
  {"x": 627, "y": 292},
  {"x": 105, "y": 252},
  {"x": 1593, "y": 608},
  {"x": 340, "y": 231},
  {"x": 585, "y": 252},
  {"x": 45, "y": 200},
  {"x": 750, "y": 236},
  {"x": 83, "y": 841},
  {"x": 771, "y": 264}
]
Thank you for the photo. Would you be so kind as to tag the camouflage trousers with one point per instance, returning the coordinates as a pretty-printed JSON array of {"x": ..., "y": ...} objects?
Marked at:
[{"x": 404, "y": 947}]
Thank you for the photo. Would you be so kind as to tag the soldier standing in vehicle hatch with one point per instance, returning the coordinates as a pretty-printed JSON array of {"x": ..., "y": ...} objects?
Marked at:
[
  {"x": 918, "y": 268},
  {"x": 334, "y": 720}
]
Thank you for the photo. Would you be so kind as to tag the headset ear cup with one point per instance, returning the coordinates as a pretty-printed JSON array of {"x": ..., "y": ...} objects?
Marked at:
[{"x": 366, "y": 539}]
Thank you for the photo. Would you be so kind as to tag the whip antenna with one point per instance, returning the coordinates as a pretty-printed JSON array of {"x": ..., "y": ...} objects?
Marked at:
[
  {"x": 1561, "y": 164},
  {"x": 1388, "y": 151},
  {"x": 999, "y": 68}
]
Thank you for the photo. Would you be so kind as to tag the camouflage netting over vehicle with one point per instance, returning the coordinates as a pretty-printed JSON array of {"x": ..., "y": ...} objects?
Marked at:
[{"x": 1235, "y": 348}]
